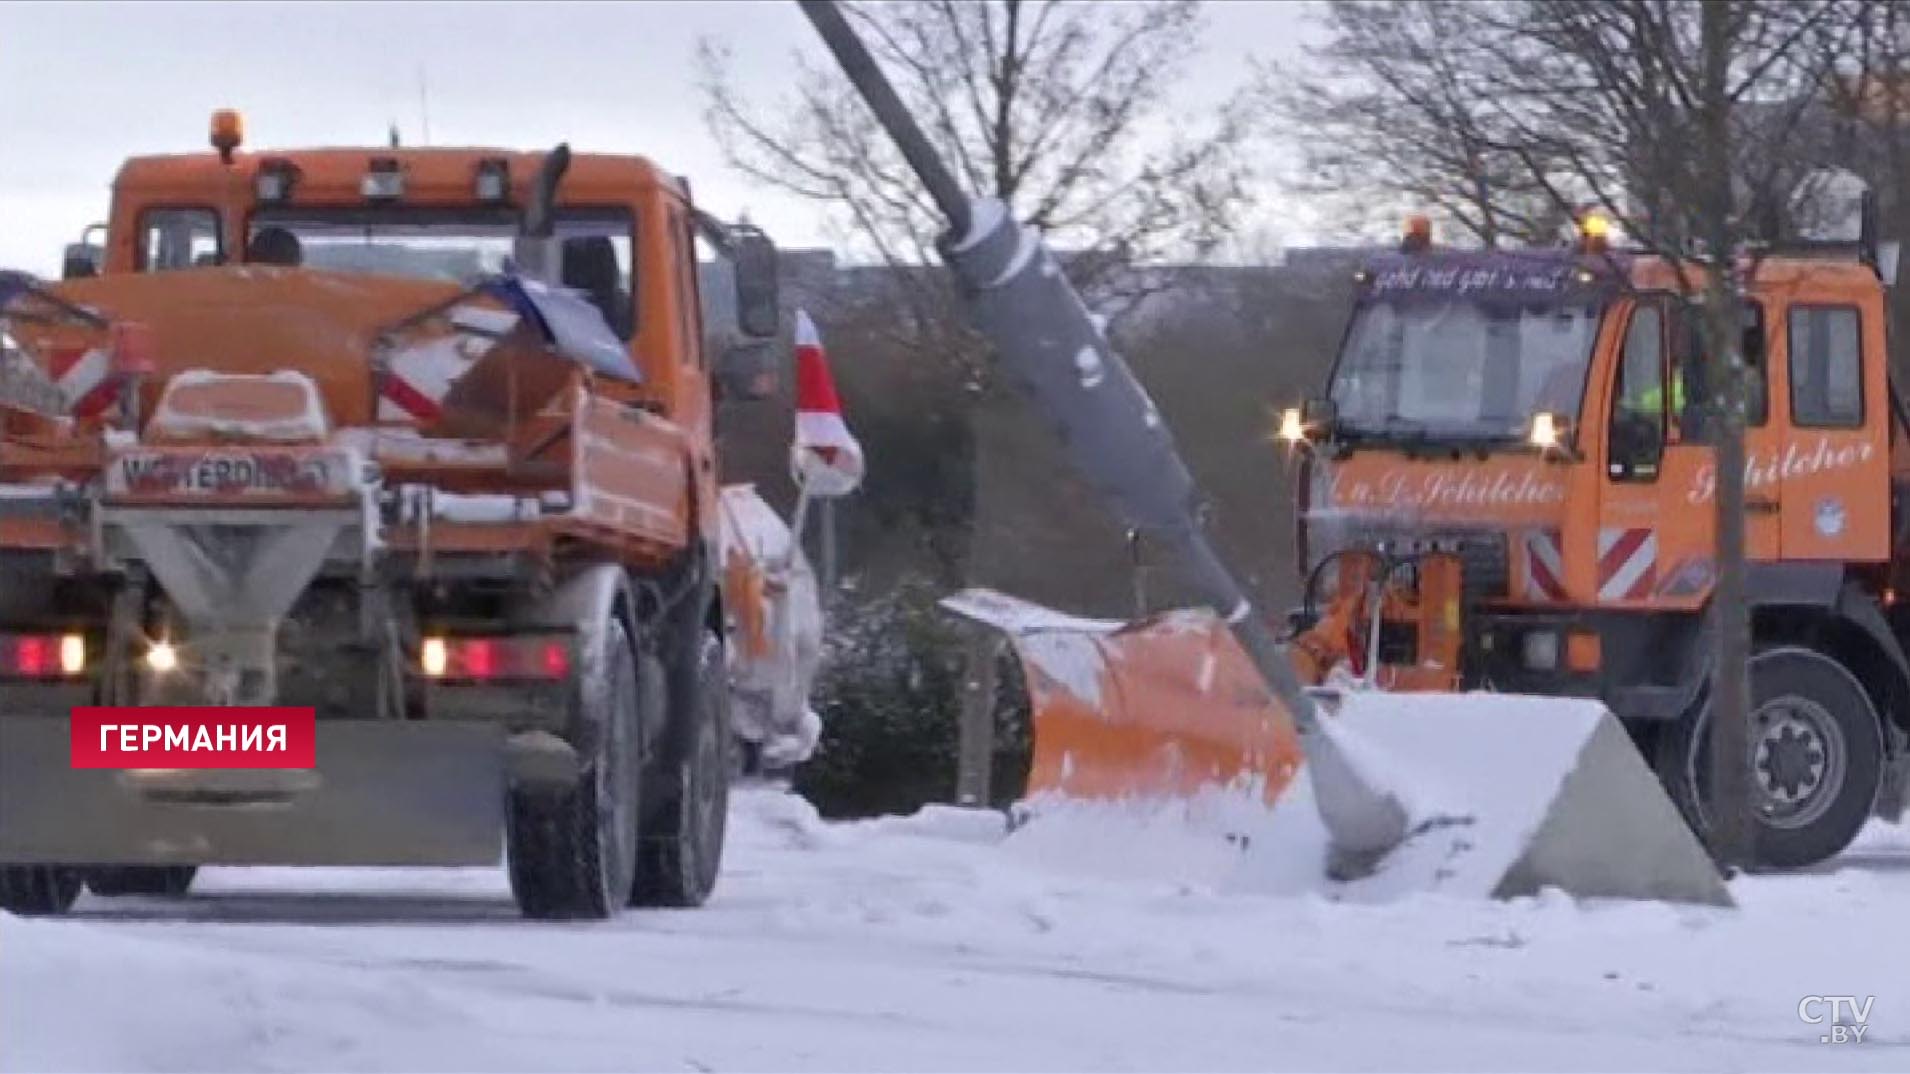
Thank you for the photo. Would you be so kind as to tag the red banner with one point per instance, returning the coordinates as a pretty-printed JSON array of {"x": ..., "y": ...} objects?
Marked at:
[{"x": 194, "y": 737}]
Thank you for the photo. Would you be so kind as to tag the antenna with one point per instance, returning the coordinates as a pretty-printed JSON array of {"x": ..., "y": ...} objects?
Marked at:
[
  {"x": 424, "y": 106},
  {"x": 393, "y": 134}
]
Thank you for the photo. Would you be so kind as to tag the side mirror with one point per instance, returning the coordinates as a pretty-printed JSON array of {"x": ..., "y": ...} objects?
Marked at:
[
  {"x": 745, "y": 370},
  {"x": 82, "y": 261},
  {"x": 1320, "y": 416},
  {"x": 758, "y": 304}
]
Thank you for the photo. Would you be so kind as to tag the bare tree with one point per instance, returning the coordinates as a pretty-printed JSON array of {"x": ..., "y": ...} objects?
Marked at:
[
  {"x": 1680, "y": 119},
  {"x": 1058, "y": 108},
  {"x": 1392, "y": 110},
  {"x": 1869, "y": 105},
  {"x": 1508, "y": 117}
]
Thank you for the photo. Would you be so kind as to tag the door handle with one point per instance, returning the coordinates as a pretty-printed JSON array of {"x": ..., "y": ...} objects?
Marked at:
[{"x": 1760, "y": 506}]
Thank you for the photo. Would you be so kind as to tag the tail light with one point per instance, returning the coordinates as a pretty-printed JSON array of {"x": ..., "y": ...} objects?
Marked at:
[
  {"x": 495, "y": 659},
  {"x": 43, "y": 656}
]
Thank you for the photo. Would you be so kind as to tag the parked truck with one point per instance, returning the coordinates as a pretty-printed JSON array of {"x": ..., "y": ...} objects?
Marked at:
[
  {"x": 1514, "y": 465},
  {"x": 422, "y": 439}
]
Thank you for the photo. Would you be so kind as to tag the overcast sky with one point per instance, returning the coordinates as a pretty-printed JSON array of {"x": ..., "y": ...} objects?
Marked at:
[{"x": 85, "y": 85}]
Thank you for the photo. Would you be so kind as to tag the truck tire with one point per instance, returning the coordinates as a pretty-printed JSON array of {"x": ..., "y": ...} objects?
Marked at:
[
  {"x": 167, "y": 881},
  {"x": 683, "y": 839},
  {"x": 1817, "y": 758},
  {"x": 572, "y": 852},
  {"x": 39, "y": 890}
]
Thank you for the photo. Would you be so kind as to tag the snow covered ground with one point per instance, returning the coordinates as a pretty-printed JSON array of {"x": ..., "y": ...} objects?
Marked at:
[{"x": 928, "y": 944}]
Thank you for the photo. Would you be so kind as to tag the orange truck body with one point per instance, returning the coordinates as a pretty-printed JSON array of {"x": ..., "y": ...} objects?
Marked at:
[
  {"x": 1579, "y": 559},
  {"x": 498, "y": 504},
  {"x": 258, "y": 319}
]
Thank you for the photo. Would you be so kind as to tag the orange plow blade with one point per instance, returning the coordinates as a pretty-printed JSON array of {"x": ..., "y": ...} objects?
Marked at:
[{"x": 1164, "y": 707}]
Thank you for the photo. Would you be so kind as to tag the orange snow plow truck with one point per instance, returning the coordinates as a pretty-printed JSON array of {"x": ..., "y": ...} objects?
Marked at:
[
  {"x": 419, "y": 439},
  {"x": 1508, "y": 487}
]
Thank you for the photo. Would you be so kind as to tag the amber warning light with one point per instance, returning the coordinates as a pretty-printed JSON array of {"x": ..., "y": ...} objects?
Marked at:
[
  {"x": 1595, "y": 233},
  {"x": 228, "y": 132}
]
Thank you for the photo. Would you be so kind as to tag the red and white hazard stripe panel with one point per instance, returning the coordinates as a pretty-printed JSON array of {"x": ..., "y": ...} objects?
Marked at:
[
  {"x": 1544, "y": 567},
  {"x": 421, "y": 375},
  {"x": 85, "y": 379},
  {"x": 1627, "y": 563}
]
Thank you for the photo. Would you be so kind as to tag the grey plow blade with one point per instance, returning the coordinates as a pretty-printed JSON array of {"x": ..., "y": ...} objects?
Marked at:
[
  {"x": 1611, "y": 831},
  {"x": 1532, "y": 793}
]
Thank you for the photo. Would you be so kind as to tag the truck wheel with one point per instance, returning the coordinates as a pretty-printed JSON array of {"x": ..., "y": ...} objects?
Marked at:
[
  {"x": 170, "y": 881},
  {"x": 683, "y": 845},
  {"x": 1816, "y": 758},
  {"x": 39, "y": 890},
  {"x": 572, "y": 852}
]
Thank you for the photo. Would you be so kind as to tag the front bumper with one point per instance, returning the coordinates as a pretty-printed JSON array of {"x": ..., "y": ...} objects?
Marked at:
[{"x": 1650, "y": 663}]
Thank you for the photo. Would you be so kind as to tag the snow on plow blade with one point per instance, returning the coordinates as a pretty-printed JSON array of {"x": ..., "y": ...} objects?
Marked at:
[
  {"x": 383, "y": 793},
  {"x": 1166, "y": 717}
]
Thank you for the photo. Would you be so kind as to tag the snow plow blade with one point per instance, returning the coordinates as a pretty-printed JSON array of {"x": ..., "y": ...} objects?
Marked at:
[
  {"x": 1166, "y": 706},
  {"x": 1532, "y": 792},
  {"x": 383, "y": 793}
]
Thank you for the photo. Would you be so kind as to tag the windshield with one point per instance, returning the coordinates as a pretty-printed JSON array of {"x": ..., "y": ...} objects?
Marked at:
[
  {"x": 457, "y": 248},
  {"x": 1461, "y": 369}
]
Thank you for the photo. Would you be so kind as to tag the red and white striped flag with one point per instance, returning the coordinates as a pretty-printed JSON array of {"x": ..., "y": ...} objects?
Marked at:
[{"x": 827, "y": 460}]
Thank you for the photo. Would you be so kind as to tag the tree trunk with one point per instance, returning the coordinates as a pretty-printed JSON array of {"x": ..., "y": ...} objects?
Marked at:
[
  {"x": 1730, "y": 818},
  {"x": 1729, "y": 807}
]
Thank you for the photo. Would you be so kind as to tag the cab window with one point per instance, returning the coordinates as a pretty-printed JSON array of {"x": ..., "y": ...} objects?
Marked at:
[
  {"x": 1637, "y": 431},
  {"x": 1826, "y": 366},
  {"x": 178, "y": 238},
  {"x": 1755, "y": 347},
  {"x": 598, "y": 260},
  {"x": 459, "y": 246}
]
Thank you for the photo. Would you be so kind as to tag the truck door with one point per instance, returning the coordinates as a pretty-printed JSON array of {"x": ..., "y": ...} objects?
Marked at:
[
  {"x": 1834, "y": 468},
  {"x": 1656, "y": 537}
]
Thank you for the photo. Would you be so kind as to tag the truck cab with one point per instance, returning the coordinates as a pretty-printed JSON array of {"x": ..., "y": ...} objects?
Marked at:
[
  {"x": 1513, "y": 463},
  {"x": 624, "y": 233}
]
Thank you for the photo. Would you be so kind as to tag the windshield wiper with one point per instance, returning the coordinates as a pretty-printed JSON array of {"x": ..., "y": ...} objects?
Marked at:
[
  {"x": 1388, "y": 429},
  {"x": 1416, "y": 437}
]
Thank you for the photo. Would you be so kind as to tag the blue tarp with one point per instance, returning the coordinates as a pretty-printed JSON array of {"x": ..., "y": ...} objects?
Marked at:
[
  {"x": 13, "y": 284},
  {"x": 568, "y": 323}
]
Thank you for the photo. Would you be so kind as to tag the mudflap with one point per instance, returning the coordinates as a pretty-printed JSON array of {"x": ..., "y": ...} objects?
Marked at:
[{"x": 383, "y": 793}]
